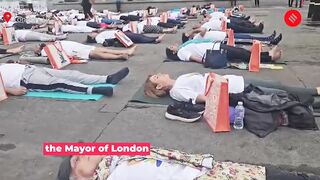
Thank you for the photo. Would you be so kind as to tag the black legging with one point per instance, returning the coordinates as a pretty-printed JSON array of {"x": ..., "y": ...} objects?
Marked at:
[
  {"x": 87, "y": 10},
  {"x": 290, "y": 3},
  {"x": 235, "y": 54},
  {"x": 3, "y": 51},
  {"x": 140, "y": 38},
  {"x": 256, "y": 3},
  {"x": 233, "y": 3},
  {"x": 243, "y": 26},
  {"x": 278, "y": 85},
  {"x": 23, "y": 26},
  {"x": 304, "y": 94},
  {"x": 130, "y": 18},
  {"x": 166, "y": 25}
]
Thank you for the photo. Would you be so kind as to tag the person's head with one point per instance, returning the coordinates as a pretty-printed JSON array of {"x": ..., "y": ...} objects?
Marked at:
[
  {"x": 38, "y": 48},
  {"x": 171, "y": 52},
  {"x": 51, "y": 30},
  {"x": 78, "y": 167},
  {"x": 157, "y": 85},
  {"x": 91, "y": 38}
]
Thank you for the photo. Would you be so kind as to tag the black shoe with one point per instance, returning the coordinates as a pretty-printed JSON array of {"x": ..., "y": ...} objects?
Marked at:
[
  {"x": 273, "y": 35},
  {"x": 260, "y": 27},
  {"x": 276, "y": 40},
  {"x": 107, "y": 91},
  {"x": 180, "y": 114},
  {"x": 189, "y": 106}
]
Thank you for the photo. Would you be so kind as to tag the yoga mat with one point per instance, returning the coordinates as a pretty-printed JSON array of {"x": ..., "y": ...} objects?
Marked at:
[
  {"x": 139, "y": 97},
  {"x": 69, "y": 96}
]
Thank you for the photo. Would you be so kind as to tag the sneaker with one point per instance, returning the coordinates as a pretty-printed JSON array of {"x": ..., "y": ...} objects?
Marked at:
[
  {"x": 276, "y": 40},
  {"x": 179, "y": 114},
  {"x": 189, "y": 106}
]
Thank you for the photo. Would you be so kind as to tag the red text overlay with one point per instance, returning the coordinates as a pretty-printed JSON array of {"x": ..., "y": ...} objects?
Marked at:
[{"x": 119, "y": 149}]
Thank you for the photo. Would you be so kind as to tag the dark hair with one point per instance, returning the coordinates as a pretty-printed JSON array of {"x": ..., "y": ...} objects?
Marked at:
[
  {"x": 91, "y": 39},
  {"x": 50, "y": 29},
  {"x": 171, "y": 55},
  {"x": 42, "y": 45},
  {"x": 184, "y": 38},
  {"x": 65, "y": 169}
]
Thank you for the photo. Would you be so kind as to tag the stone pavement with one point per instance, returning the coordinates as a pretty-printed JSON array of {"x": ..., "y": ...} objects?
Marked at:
[{"x": 27, "y": 123}]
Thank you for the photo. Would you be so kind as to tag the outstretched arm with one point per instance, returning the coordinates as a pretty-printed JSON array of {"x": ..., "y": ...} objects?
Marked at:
[{"x": 16, "y": 91}]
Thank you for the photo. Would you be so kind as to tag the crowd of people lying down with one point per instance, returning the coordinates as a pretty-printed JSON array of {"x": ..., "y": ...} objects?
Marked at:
[{"x": 188, "y": 90}]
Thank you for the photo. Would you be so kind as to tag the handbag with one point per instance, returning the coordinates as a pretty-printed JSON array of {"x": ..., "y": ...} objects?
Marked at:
[
  {"x": 8, "y": 36},
  {"x": 215, "y": 59},
  {"x": 3, "y": 94},
  {"x": 57, "y": 56},
  {"x": 216, "y": 111}
]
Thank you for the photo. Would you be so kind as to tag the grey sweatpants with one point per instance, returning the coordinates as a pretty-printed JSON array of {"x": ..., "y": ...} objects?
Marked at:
[
  {"x": 36, "y": 36},
  {"x": 45, "y": 79}
]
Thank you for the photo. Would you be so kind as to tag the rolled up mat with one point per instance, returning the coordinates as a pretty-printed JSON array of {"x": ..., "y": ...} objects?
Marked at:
[{"x": 35, "y": 59}]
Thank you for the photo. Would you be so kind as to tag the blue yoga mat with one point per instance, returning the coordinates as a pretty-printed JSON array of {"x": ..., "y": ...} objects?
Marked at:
[{"x": 69, "y": 96}]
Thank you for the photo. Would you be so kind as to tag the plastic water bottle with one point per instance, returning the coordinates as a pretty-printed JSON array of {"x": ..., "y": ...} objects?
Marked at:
[{"x": 239, "y": 115}]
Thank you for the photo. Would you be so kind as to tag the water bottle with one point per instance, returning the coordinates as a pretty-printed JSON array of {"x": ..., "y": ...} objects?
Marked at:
[{"x": 239, "y": 115}]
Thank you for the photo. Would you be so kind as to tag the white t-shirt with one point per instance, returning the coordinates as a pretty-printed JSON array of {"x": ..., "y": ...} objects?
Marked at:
[
  {"x": 20, "y": 35},
  {"x": 195, "y": 49},
  {"x": 11, "y": 74},
  {"x": 213, "y": 25},
  {"x": 190, "y": 86},
  {"x": 75, "y": 49},
  {"x": 213, "y": 35},
  {"x": 105, "y": 35},
  {"x": 217, "y": 15},
  {"x": 153, "y": 169},
  {"x": 82, "y": 23}
]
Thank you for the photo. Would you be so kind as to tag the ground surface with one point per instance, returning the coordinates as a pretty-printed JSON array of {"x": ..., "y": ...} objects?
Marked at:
[{"x": 27, "y": 123}]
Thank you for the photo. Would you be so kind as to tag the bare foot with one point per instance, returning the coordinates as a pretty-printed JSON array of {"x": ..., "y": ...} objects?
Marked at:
[
  {"x": 160, "y": 38},
  {"x": 275, "y": 53},
  {"x": 124, "y": 56},
  {"x": 16, "y": 50},
  {"x": 196, "y": 26},
  {"x": 175, "y": 29},
  {"x": 131, "y": 50}
]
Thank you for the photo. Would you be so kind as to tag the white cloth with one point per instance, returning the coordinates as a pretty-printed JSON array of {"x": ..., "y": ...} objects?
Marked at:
[
  {"x": 153, "y": 169},
  {"x": 195, "y": 49},
  {"x": 190, "y": 86},
  {"x": 213, "y": 35},
  {"x": 82, "y": 23},
  {"x": 236, "y": 83},
  {"x": 11, "y": 74},
  {"x": 213, "y": 25},
  {"x": 101, "y": 37},
  {"x": 75, "y": 49},
  {"x": 218, "y": 15},
  {"x": 20, "y": 35},
  {"x": 76, "y": 29}
]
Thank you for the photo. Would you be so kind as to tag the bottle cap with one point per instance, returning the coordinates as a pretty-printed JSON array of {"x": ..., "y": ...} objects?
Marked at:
[{"x": 240, "y": 103}]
